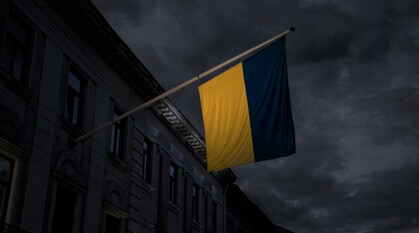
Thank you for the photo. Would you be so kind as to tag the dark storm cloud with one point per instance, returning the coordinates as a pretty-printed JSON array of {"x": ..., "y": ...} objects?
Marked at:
[
  {"x": 392, "y": 114},
  {"x": 354, "y": 90},
  {"x": 332, "y": 49},
  {"x": 309, "y": 200}
]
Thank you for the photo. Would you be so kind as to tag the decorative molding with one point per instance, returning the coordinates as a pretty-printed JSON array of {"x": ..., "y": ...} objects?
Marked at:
[
  {"x": 182, "y": 128},
  {"x": 114, "y": 194},
  {"x": 11, "y": 128},
  {"x": 114, "y": 210},
  {"x": 9, "y": 131},
  {"x": 115, "y": 198},
  {"x": 147, "y": 223},
  {"x": 68, "y": 166},
  {"x": 12, "y": 150},
  {"x": 114, "y": 201},
  {"x": 64, "y": 180},
  {"x": 69, "y": 169}
]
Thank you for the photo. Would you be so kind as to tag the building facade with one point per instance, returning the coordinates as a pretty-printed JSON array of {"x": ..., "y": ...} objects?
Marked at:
[
  {"x": 63, "y": 72},
  {"x": 243, "y": 216}
]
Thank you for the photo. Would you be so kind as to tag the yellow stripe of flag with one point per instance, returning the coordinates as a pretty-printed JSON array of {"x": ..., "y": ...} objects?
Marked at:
[{"x": 226, "y": 120}]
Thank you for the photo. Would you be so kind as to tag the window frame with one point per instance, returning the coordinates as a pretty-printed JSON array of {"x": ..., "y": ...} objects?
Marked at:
[
  {"x": 195, "y": 202},
  {"x": 148, "y": 160},
  {"x": 214, "y": 216},
  {"x": 120, "y": 128},
  {"x": 26, "y": 47},
  {"x": 74, "y": 223},
  {"x": 107, "y": 215},
  {"x": 229, "y": 225},
  {"x": 81, "y": 95},
  {"x": 173, "y": 183},
  {"x": 8, "y": 185}
]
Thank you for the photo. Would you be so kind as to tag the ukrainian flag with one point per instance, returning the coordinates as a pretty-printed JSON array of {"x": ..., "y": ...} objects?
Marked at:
[{"x": 246, "y": 111}]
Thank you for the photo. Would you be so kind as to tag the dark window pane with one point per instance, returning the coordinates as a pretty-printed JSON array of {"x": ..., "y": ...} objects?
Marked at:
[
  {"x": 17, "y": 30},
  {"x": 69, "y": 103},
  {"x": 7, "y": 55},
  {"x": 117, "y": 137},
  {"x": 74, "y": 82},
  {"x": 65, "y": 201},
  {"x": 113, "y": 139},
  {"x": 147, "y": 160},
  {"x": 195, "y": 202},
  {"x": 15, "y": 50},
  {"x": 18, "y": 64},
  {"x": 205, "y": 211},
  {"x": 75, "y": 111},
  {"x": 112, "y": 224},
  {"x": 173, "y": 183},
  {"x": 214, "y": 217},
  {"x": 172, "y": 171},
  {"x": 74, "y": 102},
  {"x": 6, "y": 171},
  {"x": 4, "y": 191},
  {"x": 229, "y": 226},
  {"x": 145, "y": 144}
]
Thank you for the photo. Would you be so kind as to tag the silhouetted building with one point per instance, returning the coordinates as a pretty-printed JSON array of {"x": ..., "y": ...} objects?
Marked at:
[
  {"x": 243, "y": 216},
  {"x": 63, "y": 72}
]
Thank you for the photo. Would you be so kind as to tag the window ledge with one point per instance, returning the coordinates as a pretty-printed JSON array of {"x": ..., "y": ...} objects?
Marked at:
[
  {"x": 147, "y": 187},
  {"x": 114, "y": 210},
  {"x": 7, "y": 147},
  {"x": 74, "y": 130},
  {"x": 119, "y": 163},
  {"x": 63, "y": 179},
  {"x": 196, "y": 224},
  {"x": 15, "y": 85},
  {"x": 174, "y": 208},
  {"x": 147, "y": 223}
]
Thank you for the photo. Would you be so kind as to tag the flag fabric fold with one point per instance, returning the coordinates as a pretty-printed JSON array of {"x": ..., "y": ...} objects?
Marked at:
[{"x": 246, "y": 111}]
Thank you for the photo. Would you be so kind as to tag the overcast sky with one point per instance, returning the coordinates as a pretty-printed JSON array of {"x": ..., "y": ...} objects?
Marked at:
[{"x": 353, "y": 70}]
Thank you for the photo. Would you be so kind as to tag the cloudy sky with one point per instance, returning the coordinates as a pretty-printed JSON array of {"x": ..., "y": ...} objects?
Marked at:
[{"x": 354, "y": 82}]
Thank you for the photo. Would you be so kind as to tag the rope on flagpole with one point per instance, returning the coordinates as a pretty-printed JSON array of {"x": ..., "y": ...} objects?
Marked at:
[{"x": 181, "y": 86}]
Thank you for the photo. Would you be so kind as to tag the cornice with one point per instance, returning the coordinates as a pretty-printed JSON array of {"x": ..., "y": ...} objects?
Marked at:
[{"x": 92, "y": 26}]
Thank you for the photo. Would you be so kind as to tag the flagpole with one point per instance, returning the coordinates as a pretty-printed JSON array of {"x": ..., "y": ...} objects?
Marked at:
[{"x": 183, "y": 85}]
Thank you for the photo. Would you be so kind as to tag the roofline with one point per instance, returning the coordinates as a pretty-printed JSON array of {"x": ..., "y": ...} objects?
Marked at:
[{"x": 103, "y": 38}]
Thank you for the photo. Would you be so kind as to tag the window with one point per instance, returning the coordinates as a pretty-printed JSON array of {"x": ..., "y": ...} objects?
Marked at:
[
  {"x": 195, "y": 202},
  {"x": 118, "y": 135},
  {"x": 147, "y": 160},
  {"x": 65, "y": 201},
  {"x": 6, "y": 171},
  {"x": 113, "y": 224},
  {"x": 214, "y": 217},
  {"x": 15, "y": 52},
  {"x": 74, "y": 100},
  {"x": 230, "y": 227},
  {"x": 173, "y": 183},
  {"x": 206, "y": 213}
]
